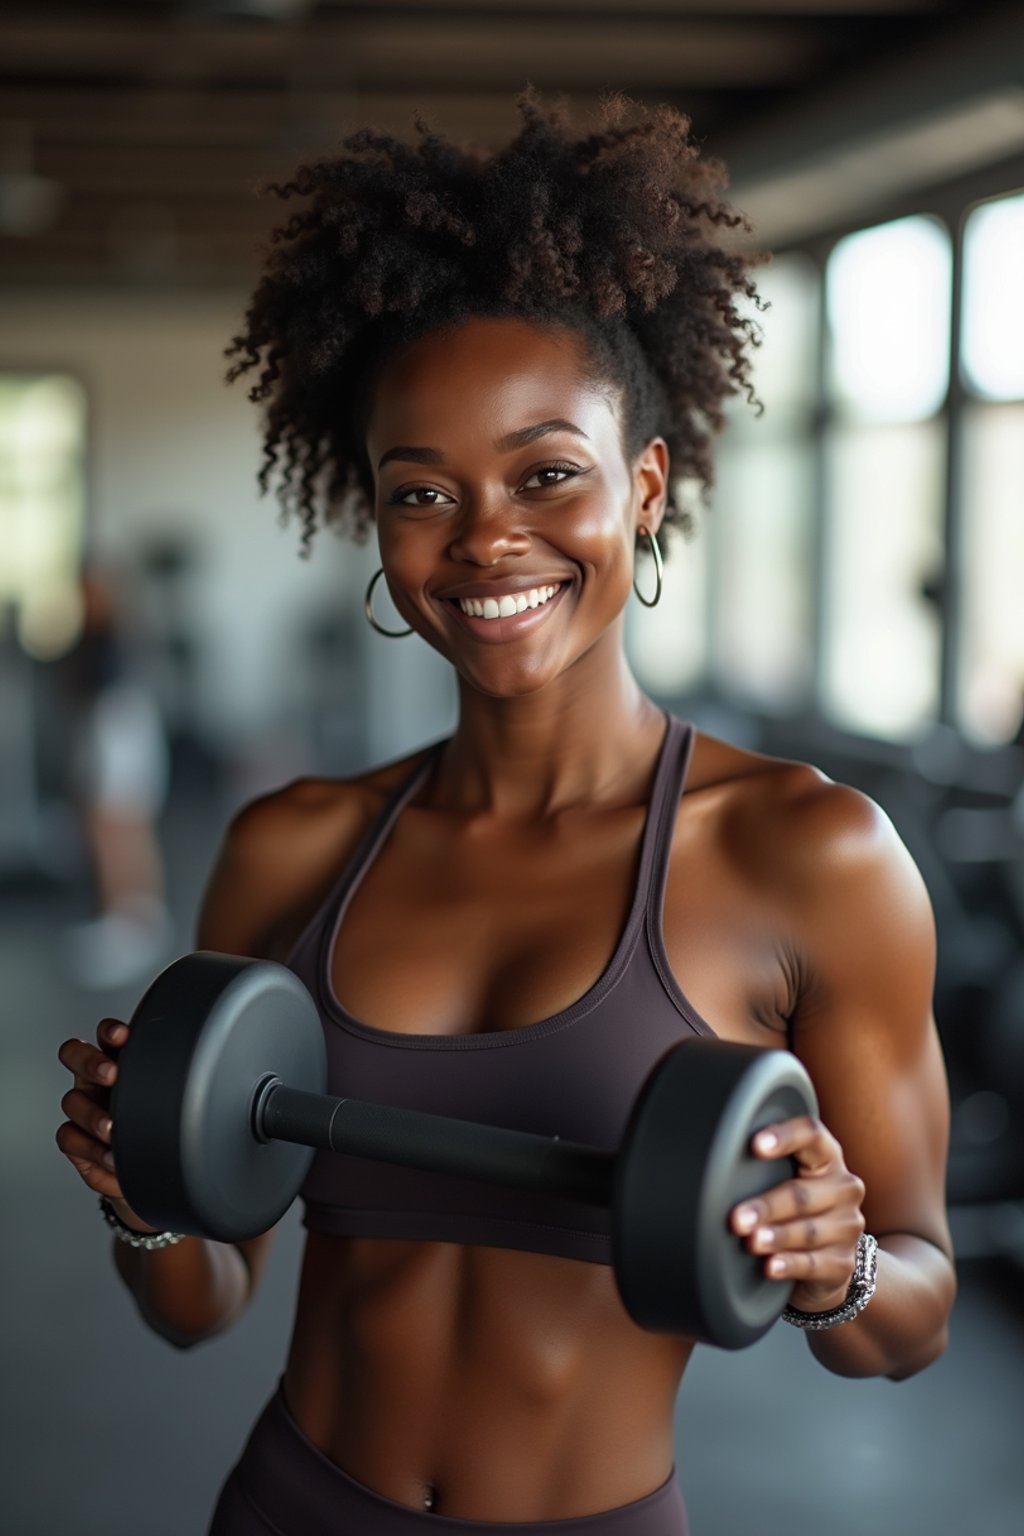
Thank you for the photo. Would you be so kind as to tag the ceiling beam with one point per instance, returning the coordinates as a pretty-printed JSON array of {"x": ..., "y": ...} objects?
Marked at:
[
  {"x": 555, "y": 53},
  {"x": 908, "y": 120}
]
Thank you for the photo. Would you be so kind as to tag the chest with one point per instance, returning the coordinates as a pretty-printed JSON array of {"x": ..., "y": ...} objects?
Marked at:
[{"x": 453, "y": 934}]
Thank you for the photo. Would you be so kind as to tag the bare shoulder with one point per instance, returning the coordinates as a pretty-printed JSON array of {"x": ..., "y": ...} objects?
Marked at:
[
  {"x": 281, "y": 849},
  {"x": 803, "y": 835}
]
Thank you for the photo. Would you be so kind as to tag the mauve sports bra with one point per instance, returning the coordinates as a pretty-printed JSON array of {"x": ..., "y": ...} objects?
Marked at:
[{"x": 574, "y": 1075}]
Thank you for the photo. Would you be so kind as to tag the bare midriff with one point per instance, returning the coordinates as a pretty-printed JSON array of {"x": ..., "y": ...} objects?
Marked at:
[{"x": 394, "y": 1357}]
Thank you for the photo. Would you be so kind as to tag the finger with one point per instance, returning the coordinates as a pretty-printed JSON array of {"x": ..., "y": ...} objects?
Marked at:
[
  {"x": 87, "y": 1063},
  {"x": 806, "y": 1138},
  {"x": 87, "y": 1157},
  {"x": 83, "y": 1110},
  {"x": 112, "y": 1032},
  {"x": 784, "y": 1202},
  {"x": 833, "y": 1229},
  {"x": 827, "y": 1268}
]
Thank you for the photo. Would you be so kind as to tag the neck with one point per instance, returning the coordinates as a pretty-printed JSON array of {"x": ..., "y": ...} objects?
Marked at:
[{"x": 589, "y": 736}]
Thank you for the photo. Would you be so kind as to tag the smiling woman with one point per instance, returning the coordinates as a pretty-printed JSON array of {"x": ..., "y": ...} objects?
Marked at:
[{"x": 507, "y": 365}]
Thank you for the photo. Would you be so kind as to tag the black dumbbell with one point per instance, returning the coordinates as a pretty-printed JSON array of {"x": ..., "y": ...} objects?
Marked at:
[{"x": 220, "y": 1102}]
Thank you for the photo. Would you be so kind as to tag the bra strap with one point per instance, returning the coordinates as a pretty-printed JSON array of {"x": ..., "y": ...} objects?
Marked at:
[
  {"x": 371, "y": 840},
  {"x": 668, "y": 791}
]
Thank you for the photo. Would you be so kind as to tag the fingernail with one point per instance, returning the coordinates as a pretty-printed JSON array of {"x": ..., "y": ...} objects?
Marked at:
[
  {"x": 765, "y": 1141},
  {"x": 106, "y": 1126},
  {"x": 776, "y": 1266},
  {"x": 106, "y": 1072},
  {"x": 746, "y": 1218},
  {"x": 108, "y": 1158},
  {"x": 765, "y": 1236}
]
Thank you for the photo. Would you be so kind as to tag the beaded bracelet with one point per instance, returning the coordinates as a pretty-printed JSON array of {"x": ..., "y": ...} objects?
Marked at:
[
  {"x": 129, "y": 1235},
  {"x": 862, "y": 1288}
]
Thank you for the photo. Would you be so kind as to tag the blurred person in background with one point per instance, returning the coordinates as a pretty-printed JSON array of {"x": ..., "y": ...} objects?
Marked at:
[
  {"x": 119, "y": 771},
  {"x": 509, "y": 366}
]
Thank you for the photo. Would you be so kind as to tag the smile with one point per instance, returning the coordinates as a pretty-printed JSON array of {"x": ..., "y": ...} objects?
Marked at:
[
  {"x": 509, "y": 616},
  {"x": 505, "y": 607}
]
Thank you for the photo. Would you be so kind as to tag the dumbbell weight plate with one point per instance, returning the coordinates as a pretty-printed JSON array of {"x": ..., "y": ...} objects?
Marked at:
[
  {"x": 209, "y": 1028},
  {"x": 685, "y": 1162}
]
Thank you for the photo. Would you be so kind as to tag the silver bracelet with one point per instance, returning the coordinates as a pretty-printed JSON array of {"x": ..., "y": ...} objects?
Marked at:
[
  {"x": 130, "y": 1236},
  {"x": 862, "y": 1288}
]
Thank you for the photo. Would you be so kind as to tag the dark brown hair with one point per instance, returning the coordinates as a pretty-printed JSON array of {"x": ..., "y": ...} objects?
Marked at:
[{"x": 612, "y": 234}]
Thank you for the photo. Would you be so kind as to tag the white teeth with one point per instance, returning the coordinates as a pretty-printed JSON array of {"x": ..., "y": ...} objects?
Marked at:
[{"x": 505, "y": 607}]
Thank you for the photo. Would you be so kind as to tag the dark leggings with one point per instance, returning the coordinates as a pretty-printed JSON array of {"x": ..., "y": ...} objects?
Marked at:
[{"x": 284, "y": 1485}]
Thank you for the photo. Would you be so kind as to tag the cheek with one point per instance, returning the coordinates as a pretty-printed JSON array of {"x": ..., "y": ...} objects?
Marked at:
[
  {"x": 604, "y": 543},
  {"x": 406, "y": 546}
]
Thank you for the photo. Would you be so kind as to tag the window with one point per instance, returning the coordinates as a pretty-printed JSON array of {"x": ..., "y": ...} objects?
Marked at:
[
  {"x": 761, "y": 524},
  {"x": 42, "y": 501},
  {"x": 990, "y": 673},
  {"x": 818, "y": 577},
  {"x": 888, "y": 302}
]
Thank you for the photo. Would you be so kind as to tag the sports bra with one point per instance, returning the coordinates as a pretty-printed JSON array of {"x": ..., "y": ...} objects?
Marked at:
[{"x": 574, "y": 1075}]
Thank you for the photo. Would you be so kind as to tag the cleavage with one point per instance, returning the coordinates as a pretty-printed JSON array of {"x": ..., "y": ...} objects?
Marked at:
[{"x": 448, "y": 934}]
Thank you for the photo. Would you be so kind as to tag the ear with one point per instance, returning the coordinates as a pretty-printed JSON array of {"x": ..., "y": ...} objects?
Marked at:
[{"x": 650, "y": 485}]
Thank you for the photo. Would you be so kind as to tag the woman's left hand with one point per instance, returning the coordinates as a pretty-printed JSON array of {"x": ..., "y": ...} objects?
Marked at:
[{"x": 807, "y": 1228}]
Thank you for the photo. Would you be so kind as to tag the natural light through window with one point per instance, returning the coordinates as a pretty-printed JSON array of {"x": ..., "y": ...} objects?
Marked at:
[
  {"x": 993, "y": 323},
  {"x": 888, "y": 295},
  {"x": 42, "y": 496},
  {"x": 761, "y": 524},
  {"x": 992, "y": 660}
]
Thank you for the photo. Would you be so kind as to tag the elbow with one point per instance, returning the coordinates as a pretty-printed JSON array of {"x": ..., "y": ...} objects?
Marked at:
[
  {"x": 185, "y": 1341},
  {"x": 923, "y": 1358},
  {"x": 936, "y": 1341},
  {"x": 187, "y": 1338}
]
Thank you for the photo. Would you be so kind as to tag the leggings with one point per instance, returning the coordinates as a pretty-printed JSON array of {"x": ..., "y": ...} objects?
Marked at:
[{"x": 284, "y": 1485}]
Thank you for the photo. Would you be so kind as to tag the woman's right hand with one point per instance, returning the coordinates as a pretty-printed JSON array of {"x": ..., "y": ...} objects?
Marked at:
[{"x": 85, "y": 1136}]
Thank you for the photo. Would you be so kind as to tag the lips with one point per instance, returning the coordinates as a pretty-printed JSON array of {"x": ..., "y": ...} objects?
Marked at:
[
  {"x": 481, "y": 590},
  {"x": 505, "y": 626}
]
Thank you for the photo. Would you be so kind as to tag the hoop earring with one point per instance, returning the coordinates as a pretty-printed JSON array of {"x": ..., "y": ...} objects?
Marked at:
[
  {"x": 659, "y": 570},
  {"x": 392, "y": 634}
]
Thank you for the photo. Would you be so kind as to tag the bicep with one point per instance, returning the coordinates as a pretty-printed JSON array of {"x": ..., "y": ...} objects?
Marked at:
[{"x": 864, "y": 1025}]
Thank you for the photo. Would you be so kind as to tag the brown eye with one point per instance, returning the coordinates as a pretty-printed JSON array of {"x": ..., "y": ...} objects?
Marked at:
[
  {"x": 568, "y": 471},
  {"x": 398, "y": 498}
]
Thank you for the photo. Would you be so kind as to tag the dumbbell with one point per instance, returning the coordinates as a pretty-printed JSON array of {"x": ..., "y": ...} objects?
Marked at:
[{"x": 220, "y": 1103}]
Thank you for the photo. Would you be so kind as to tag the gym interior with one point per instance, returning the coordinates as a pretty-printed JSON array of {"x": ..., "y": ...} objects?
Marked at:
[{"x": 853, "y": 599}]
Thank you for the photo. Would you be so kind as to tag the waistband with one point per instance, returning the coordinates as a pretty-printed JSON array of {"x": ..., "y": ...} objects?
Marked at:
[{"x": 301, "y": 1492}]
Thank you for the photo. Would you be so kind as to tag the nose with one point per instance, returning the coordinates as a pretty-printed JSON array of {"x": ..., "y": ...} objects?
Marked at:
[{"x": 486, "y": 533}]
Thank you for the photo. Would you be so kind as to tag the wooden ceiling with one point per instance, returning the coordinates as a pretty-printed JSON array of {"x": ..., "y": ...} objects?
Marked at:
[{"x": 133, "y": 133}]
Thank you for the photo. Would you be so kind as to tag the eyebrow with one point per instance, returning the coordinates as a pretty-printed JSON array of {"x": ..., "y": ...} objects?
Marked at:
[{"x": 505, "y": 444}]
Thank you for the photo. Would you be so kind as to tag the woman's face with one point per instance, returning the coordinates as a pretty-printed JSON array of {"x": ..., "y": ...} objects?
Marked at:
[{"x": 500, "y": 475}]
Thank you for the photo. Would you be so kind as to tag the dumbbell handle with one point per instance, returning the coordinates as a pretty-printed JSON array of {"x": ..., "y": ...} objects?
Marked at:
[{"x": 439, "y": 1143}]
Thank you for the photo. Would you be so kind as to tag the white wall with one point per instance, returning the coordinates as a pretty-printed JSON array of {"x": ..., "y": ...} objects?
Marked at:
[{"x": 172, "y": 446}]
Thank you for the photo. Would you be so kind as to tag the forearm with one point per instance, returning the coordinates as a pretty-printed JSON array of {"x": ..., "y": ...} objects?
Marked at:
[
  {"x": 904, "y": 1326},
  {"x": 187, "y": 1291}
]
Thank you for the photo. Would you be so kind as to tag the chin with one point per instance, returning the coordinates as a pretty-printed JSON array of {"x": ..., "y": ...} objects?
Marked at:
[{"x": 514, "y": 684}]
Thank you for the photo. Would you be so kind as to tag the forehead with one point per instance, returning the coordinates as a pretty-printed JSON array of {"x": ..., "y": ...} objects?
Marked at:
[{"x": 488, "y": 375}]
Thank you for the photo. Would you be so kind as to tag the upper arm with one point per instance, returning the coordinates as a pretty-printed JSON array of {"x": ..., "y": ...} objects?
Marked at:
[{"x": 863, "y": 1024}]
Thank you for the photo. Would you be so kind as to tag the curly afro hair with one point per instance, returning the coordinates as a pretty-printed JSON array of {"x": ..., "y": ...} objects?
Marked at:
[{"x": 611, "y": 235}]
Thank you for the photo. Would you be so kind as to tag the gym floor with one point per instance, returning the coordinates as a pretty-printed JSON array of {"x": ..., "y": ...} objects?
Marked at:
[{"x": 108, "y": 1432}]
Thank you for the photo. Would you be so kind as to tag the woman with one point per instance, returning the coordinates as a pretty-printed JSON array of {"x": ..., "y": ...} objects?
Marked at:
[{"x": 498, "y": 361}]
